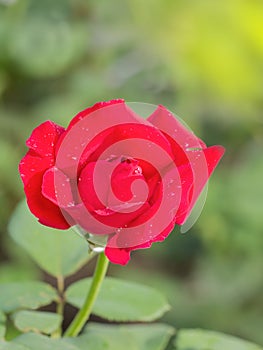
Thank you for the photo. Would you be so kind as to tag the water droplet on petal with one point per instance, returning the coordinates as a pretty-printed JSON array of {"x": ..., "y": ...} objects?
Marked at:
[
  {"x": 97, "y": 249},
  {"x": 137, "y": 170}
]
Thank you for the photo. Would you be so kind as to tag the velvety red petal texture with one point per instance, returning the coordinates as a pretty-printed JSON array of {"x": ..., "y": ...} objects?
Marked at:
[
  {"x": 119, "y": 256},
  {"x": 87, "y": 191},
  {"x": 47, "y": 213},
  {"x": 130, "y": 131},
  {"x": 44, "y": 137},
  {"x": 164, "y": 120},
  {"x": 32, "y": 167},
  {"x": 122, "y": 256},
  {"x": 101, "y": 202},
  {"x": 56, "y": 187},
  {"x": 89, "y": 110},
  {"x": 82, "y": 140},
  {"x": 189, "y": 153}
]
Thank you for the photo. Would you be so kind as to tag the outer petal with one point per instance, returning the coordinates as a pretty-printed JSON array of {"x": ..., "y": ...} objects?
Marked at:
[
  {"x": 196, "y": 178},
  {"x": 44, "y": 137},
  {"x": 39, "y": 158},
  {"x": 194, "y": 160},
  {"x": 32, "y": 165},
  {"x": 118, "y": 255},
  {"x": 213, "y": 155},
  {"x": 95, "y": 107},
  {"x": 47, "y": 213},
  {"x": 166, "y": 122},
  {"x": 122, "y": 255}
]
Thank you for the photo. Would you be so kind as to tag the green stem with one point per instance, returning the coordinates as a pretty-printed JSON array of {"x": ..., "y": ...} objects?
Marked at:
[{"x": 84, "y": 313}]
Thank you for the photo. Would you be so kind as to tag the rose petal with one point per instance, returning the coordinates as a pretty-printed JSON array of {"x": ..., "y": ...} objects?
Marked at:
[
  {"x": 213, "y": 155},
  {"x": 75, "y": 147},
  {"x": 56, "y": 187},
  {"x": 95, "y": 107},
  {"x": 94, "y": 192},
  {"x": 87, "y": 190},
  {"x": 165, "y": 121},
  {"x": 112, "y": 126},
  {"x": 44, "y": 138},
  {"x": 118, "y": 256},
  {"x": 122, "y": 255},
  {"x": 79, "y": 215},
  {"x": 47, "y": 213},
  {"x": 32, "y": 165},
  {"x": 196, "y": 175},
  {"x": 131, "y": 140}
]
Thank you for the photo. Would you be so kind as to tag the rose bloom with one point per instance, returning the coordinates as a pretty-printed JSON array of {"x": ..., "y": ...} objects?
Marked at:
[{"x": 70, "y": 179}]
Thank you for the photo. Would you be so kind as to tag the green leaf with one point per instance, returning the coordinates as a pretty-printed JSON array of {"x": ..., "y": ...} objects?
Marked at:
[
  {"x": 25, "y": 295},
  {"x": 36, "y": 321},
  {"x": 2, "y": 317},
  {"x": 57, "y": 252},
  {"x": 43, "y": 48},
  {"x": 197, "y": 339},
  {"x": 2, "y": 325},
  {"x": 120, "y": 300},
  {"x": 20, "y": 270},
  {"x": 139, "y": 337},
  {"x": 33, "y": 341},
  {"x": 11, "y": 346},
  {"x": 2, "y": 331}
]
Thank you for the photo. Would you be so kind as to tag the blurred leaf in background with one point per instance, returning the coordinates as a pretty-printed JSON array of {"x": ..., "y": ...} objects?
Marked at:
[{"x": 214, "y": 52}]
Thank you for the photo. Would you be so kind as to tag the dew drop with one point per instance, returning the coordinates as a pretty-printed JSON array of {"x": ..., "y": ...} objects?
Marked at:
[
  {"x": 138, "y": 170},
  {"x": 97, "y": 249}
]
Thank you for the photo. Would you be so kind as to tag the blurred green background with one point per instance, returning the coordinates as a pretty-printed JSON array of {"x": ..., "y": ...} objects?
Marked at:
[{"x": 203, "y": 60}]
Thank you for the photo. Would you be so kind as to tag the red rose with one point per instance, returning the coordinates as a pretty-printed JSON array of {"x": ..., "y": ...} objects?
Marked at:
[{"x": 112, "y": 172}]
